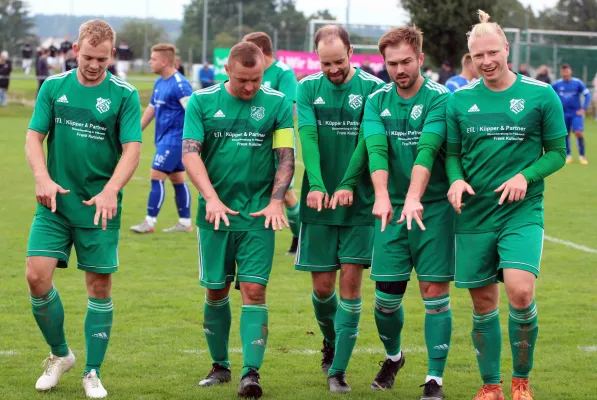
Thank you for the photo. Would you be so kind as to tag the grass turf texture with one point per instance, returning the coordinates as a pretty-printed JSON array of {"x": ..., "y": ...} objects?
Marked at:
[{"x": 158, "y": 348}]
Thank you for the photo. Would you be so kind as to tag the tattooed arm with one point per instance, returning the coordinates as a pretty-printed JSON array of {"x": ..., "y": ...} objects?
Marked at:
[{"x": 284, "y": 174}]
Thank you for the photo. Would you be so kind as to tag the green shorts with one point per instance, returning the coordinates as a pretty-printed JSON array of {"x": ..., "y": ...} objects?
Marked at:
[
  {"x": 220, "y": 252},
  {"x": 480, "y": 257},
  {"x": 97, "y": 250},
  {"x": 324, "y": 248},
  {"x": 431, "y": 252}
]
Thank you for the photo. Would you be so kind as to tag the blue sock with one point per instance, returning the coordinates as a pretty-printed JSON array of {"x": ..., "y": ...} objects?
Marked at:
[
  {"x": 581, "y": 146},
  {"x": 156, "y": 198},
  {"x": 183, "y": 200},
  {"x": 568, "y": 153}
]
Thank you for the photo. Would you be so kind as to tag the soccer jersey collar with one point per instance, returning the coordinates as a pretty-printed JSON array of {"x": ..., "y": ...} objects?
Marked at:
[{"x": 503, "y": 92}]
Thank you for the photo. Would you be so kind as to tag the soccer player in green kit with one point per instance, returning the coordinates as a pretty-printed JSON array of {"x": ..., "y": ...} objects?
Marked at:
[
  {"x": 92, "y": 121},
  {"x": 506, "y": 133},
  {"x": 330, "y": 108},
  {"x": 402, "y": 117},
  {"x": 231, "y": 133},
  {"x": 280, "y": 77}
]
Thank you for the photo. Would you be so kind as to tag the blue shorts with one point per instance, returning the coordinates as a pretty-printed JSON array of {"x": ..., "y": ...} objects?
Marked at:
[
  {"x": 168, "y": 159},
  {"x": 574, "y": 123}
]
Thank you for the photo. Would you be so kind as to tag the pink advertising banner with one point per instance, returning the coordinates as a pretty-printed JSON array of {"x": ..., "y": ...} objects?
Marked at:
[{"x": 306, "y": 63}]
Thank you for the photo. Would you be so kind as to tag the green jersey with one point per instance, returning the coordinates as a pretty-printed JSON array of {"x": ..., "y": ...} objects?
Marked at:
[
  {"x": 402, "y": 121},
  {"x": 280, "y": 77},
  {"x": 238, "y": 139},
  {"x": 337, "y": 112},
  {"x": 501, "y": 134},
  {"x": 86, "y": 127}
]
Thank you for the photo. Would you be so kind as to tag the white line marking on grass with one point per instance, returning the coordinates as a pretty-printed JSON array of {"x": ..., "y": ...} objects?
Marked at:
[
  {"x": 570, "y": 244},
  {"x": 310, "y": 352},
  {"x": 9, "y": 353},
  {"x": 588, "y": 349}
]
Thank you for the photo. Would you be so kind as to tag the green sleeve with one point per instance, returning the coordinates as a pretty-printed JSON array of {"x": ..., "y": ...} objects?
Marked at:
[
  {"x": 288, "y": 85},
  {"x": 357, "y": 164},
  {"x": 428, "y": 147},
  {"x": 553, "y": 159},
  {"x": 453, "y": 162},
  {"x": 553, "y": 124},
  {"x": 285, "y": 119},
  {"x": 193, "y": 121},
  {"x": 377, "y": 149},
  {"x": 311, "y": 157},
  {"x": 452, "y": 125},
  {"x": 42, "y": 121},
  {"x": 130, "y": 119},
  {"x": 304, "y": 106},
  {"x": 372, "y": 121},
  {"x": 435, "y": 121}
]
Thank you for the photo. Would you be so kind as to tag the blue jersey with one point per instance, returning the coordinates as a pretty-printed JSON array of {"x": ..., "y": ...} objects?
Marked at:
[
  {"x": 456, "y": 82},
  {"x": 169, "y": 100},
  {"x": 570, "y": 92}
]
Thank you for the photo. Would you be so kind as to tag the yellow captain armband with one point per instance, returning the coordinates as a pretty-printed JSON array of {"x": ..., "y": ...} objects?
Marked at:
[{"x": 284, "y": 138}]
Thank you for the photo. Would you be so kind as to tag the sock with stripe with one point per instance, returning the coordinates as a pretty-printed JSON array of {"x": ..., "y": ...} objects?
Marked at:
[
  {"x": 325, "y": 314},
  {"x": 293, "y": 215},
  {"x": 568, "y": 151},
  {"x": 156, "y": 199},
  {"x": 347, "y": 331},
  {"x": 523, "y": 330},
  {"x": 438, "y": 334},
  {"x": 389, "y": 318},
  {"x": 581, "y": 146},
  {"x": 487, "y": 339},
  {"x": 217, "y": 318},
  {"x": 49, "y": 315},
  {"x": 183, "y": 202},
  {"x": 253, "y": 335},
  {"x": 98, "y": 325}
]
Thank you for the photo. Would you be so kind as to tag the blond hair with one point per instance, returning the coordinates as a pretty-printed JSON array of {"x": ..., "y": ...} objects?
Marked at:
[
  {"x": 411, "y": 35},
  {"x": 95, "y": 32},
  {"x": 484, "y": 27},
  {"x": 167, "y": 50}
]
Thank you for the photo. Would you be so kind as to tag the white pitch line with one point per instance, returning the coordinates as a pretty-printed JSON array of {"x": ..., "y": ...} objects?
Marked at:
[
  {"x": 570, "y": 244},
  {"x": 588, "y": 349},
  {"x": 9, "y": 353},
  {"x": 313, "y": 352}
]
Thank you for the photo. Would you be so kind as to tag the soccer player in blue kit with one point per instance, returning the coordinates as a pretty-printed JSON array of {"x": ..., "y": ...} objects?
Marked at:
[
  {"x": 569, "y": 89},
  {"x": 167, "y": 104}
]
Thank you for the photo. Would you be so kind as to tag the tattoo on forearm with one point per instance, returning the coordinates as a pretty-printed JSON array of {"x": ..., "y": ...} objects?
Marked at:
[
  {"x": 284, "y": 173},
  {"x": 191, "y": 146}
]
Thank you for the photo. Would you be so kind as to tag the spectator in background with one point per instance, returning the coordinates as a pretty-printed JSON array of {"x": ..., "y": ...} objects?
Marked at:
[
  {"x": 5, "y": 70},
  {"x": 523, "y": 70},
  {"x": 207, "y": 76},
  {"x": 429, "y": 74},
  {"x": 446, "y": 72},
  {"x": 467, "y": 75},
  {"x": 66, "y": 46},
  {"x": 27, "y": 56},
  {"x": 125, "y": 56},
  {"x": 112, "y": 66},
  {"x": 383, "y": 74},
  {"x": 543, "y": 75},
  {"x": 42, "y": 70},
  {"x": 367, "y": 67},
  {"x": 70, "y": 61},
  {"x": 178, "y": 65}
]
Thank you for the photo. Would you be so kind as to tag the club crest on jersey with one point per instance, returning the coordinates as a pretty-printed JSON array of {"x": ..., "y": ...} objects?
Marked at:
[
  {"x": 257, "y": 113},
  {"x": 267, "y": 84},
  {"x": 416, "y": 111},
  {"x": 103, "y": 105},
  {"x": 355, "y": 100},
  {"x": 516, "y": 105}
]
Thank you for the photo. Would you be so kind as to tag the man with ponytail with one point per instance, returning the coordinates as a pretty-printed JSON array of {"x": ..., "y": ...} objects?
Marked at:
[{"x": 506, "y": 133}]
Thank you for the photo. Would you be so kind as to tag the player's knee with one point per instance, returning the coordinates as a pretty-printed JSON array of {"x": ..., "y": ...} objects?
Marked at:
[
  {"x": 431, "y": 290},
  {"x": 521, "y": 296},
  {"x": 218, "y": 294},
  {"x": 37, "y": 278},
  {"x": 253, "y": 293},
  {"x": 324, "y": 284},
  {"x": 578, "y": 134},
  {"x": 99, "y": 286},
  {"x": 485, "y": 299},
  {"x": 394, "y": 288}
]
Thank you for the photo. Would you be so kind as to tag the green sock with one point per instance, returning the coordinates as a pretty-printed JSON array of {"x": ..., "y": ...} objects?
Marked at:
[
  {"x": 293, "y": 215},
  {"x": 217, "y": 318},
  {"x": 98, "y": 324},
  {"x": 253, "y": 335},
  {"x": 325, "y": 313},
  {"x": 438, "y": 333},
  {"x": 487, "y": 339},
  {"x": 347, "y": 331},
  {"x": 49, "y": 315},
  {"x": 523, "y": 330},
  {"x": 389, "y": 318}
]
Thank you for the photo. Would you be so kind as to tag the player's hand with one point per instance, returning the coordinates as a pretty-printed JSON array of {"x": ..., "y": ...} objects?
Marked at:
[
  {"x": 455, "y": 194},
  {"x": 343, "y": 198},
  {"x": 412, "y": 209},
  {"x": 581, "y": 112},
  {"x": 514, "y": 189},
  {"x": 317, "y": 200},
  {"x": 382, "y": 210},
  {"x": 216, "y": 211},
  {"x": 106, "y": 206},
  {"x": 45, "y": 192},
  {"x": 274, "y": 213}
]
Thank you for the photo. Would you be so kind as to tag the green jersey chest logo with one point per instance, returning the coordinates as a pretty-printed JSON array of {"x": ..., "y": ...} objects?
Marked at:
[
  {"x": 267, "y": 84},
  {"x": 516, "y": 105},
  {"x": 257, "y": 113},
  {"x": 416, "y": 112},
  {"x": 103, "y": 105},
  {"x": 355, "y": 100}
]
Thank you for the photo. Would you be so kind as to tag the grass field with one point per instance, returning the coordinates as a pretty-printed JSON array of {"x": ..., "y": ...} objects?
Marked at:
[{"x": 158, "y": 349}]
